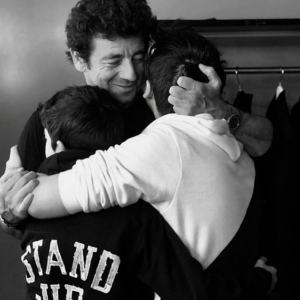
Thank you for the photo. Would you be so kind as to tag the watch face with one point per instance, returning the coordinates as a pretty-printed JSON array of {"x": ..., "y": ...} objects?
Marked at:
[{"x": 233, "y": 122}]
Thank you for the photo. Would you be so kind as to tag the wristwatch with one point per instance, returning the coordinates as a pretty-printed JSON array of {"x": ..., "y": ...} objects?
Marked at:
[
  {"x": 232, "y": 117},
  {"x": 233, "y": 122},
  {"x": 7, "y": 223}
]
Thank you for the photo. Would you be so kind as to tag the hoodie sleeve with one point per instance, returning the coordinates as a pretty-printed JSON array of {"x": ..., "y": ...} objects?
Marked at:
[{"x": 138, "y": 168}]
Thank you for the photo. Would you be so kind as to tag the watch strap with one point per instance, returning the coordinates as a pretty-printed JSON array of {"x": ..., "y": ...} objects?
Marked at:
[
  {"x": 8, "y": 224},
  {"x": 232, "y": 117}
]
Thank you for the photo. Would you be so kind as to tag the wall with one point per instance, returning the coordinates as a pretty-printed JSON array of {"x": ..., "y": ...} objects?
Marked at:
[
  {"x": 229, "y": 9},
  {"x": 33, "y": 67}
]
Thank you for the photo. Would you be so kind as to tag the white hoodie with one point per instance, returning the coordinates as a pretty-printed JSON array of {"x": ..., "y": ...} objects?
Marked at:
[{"x": 189, "y": 168}]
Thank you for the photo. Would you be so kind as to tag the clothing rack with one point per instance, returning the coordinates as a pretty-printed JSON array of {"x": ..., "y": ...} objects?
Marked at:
[{"x": 263, "y": 70}]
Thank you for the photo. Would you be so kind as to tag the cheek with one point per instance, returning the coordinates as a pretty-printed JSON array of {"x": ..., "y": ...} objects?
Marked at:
[
  {"x": 140, "y": 69},
  {"x": 105, "y": 76}
]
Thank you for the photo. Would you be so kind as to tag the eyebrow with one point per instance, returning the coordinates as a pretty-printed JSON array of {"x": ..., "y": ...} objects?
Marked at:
[
  {"x": 112, "y": 56},
  {"x": 116, "y": 56}
]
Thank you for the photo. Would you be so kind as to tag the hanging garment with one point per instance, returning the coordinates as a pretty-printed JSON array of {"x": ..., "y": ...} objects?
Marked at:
[
  {"x": 295, "y": 118},
  {"x": 278, "y": 171},
  {"x": 278, "y": 114},
  {"x": 243, "y": 101}
]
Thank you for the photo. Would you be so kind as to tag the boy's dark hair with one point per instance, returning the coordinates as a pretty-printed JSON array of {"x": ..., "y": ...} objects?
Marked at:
[
  {"x": 108, "y": 19},
  {"x": 84, "y": 117},
  {"x": 178, "y": 52}
]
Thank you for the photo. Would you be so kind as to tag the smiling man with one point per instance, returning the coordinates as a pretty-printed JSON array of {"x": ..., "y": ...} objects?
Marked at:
[
  {"x": 117, "y": 66},
  {"x": 106, "y": 42}
]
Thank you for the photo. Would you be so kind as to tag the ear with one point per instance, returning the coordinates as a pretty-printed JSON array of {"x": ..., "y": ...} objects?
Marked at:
[
  {"x": 148, "y": 91},
  {"x": 149, "y": 97},
  {"x": 78, "y": 61},
  {"x": 60, "y": 147}
]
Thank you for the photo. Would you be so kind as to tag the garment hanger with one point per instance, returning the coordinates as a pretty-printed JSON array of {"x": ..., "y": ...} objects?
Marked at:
[
  {"x": 243, "y": 101},
  {"x": 238, "y": 79},
  {"x": 281, "y": 77},
  {"x": 280, "y": 88}
]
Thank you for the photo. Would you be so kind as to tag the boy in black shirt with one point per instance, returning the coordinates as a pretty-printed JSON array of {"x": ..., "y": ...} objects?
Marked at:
[{"x": 138, "y": 252}]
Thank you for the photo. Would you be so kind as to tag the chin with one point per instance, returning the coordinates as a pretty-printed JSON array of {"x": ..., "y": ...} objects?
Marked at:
[{"x": 126, "y": 98}]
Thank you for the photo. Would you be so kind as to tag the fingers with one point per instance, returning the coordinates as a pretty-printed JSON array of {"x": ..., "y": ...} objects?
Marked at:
[
  {"x": 14, "y": 160},
  {"x": 186, "y": 82},
  {"x": 16, "y": 201},
  {"x": 18, "y": 180},
  {"x": 13, "y": 164},
  {"x": 7, "y": 183},
  {"x": 190, "y": 84},
  {"x": 180, "y": 107},
  {"x": 9, "y": 173},
  {"x": 260, "y": 263},
  {"x": 25, "y": 188},
  {"x": 177, "y": 92},
  {"x": 174, "y": 100},
  {"x": 264, "y": 259},
  {"x": 7, "y": 216},
  {"x": 210, "y": 73},
  {"x": 24, "y": 207}
]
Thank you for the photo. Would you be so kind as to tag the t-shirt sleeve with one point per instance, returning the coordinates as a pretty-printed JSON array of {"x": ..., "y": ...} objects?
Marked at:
[{"x": 31, "y": 145}]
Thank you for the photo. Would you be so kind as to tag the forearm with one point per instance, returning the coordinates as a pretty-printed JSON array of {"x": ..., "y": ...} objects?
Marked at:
[
  {"x": 191, "y": 97},
  {"x": 47, "y": 202},
  {"x": 255, "y": 133}
]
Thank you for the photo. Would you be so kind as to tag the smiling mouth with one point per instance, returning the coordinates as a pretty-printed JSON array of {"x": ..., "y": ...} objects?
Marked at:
[{"x": 124, "y": 86}]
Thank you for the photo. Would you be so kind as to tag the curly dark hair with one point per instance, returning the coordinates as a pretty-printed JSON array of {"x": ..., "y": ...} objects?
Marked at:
[
  {"x": 175, "y": 52},
  {"x": 107, "y": 19}
]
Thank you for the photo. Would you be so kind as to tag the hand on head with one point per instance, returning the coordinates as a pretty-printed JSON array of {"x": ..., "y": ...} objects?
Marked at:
[{"x": 192, "y": 97}]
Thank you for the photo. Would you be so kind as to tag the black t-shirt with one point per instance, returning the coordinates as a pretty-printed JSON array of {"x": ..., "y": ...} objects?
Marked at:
[{"x": 118, "y": 253}]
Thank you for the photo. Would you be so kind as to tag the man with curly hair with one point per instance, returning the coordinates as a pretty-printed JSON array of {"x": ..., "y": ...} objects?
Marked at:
[{"x": 107, "y": 41}]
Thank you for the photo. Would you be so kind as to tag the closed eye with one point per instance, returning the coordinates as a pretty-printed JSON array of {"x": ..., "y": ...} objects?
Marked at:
[{"x": 139, "y": 58}]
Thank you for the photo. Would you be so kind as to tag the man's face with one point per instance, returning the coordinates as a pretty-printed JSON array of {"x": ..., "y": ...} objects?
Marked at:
[{"x": 117, "y": 66}]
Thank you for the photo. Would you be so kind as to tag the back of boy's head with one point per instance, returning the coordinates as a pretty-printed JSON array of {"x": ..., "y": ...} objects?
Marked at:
[
  {"x": 178, "y": 52},
  {"x": 84, "y": 117}
]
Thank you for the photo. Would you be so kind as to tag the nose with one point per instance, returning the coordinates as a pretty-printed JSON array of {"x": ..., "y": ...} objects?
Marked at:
[{"x": 128, "y": 71}]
